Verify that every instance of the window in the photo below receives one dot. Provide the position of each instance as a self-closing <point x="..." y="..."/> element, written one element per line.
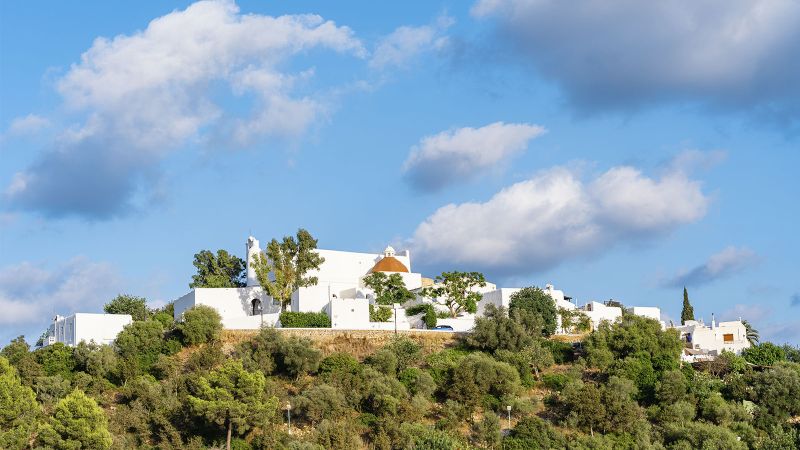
<point x="727" y="337"/>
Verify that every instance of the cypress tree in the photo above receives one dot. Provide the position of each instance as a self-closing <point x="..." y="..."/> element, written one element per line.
<point x="687" y="313"/>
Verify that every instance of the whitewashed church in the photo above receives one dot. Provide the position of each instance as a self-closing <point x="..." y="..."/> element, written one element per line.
<point x="339" y="292"/>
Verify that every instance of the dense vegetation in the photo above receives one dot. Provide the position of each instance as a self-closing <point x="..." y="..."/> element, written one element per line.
<point x="165" y="385"/>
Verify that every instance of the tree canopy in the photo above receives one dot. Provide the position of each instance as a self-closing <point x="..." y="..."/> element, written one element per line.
<point x="389" y="289"/>
<point x="456" y="291"/>
<point x="285" y="265"/>
<point x="233" y="398"/>
<point x="538" y="303"/>
<point x="128" y="304"/>
<point x="18" y="409"/>
<point x="222" y="270"/>
<point x="77" y="422"/>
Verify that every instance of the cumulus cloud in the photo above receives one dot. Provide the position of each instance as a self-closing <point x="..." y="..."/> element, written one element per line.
<point x="401" y="46"/>
<point x="149" y="93"/>
<point x="26" y="125"/>
<point x="738" y="54"/>
<point x="463" y="153"/>
<point x="725" y="263"/>
<point x="31" y="292"/>
<point x="555" y="216"/>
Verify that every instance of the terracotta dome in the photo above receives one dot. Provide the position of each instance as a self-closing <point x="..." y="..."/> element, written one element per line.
<point x="389" y="264"/>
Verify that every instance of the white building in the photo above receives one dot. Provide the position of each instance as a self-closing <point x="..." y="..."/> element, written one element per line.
<point x="598" y="313"/>
<point x="339" y="292"/>
<point x="707" y="342"/>
<point x="86" y="327"/>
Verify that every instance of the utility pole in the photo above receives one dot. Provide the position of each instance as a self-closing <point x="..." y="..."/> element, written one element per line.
<point x="394" y="306"/>
<point x="508" y="408"/>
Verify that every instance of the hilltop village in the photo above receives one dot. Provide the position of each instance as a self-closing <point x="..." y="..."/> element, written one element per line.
<point x="369" y="291"/>
<point x="304" y="348"/>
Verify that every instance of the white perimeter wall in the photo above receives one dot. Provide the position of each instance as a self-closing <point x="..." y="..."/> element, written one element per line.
<point x="234" y="305"/>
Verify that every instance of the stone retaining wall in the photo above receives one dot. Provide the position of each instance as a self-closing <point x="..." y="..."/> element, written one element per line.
<point x="358" y="343"/>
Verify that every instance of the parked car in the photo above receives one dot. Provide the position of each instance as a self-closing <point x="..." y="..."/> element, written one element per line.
<point x="443" y="328"/>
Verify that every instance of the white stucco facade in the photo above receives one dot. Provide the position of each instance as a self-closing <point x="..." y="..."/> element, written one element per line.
<point x="246" y="308"/>
<point x="598" y="313"/>
<point x="710" y="341"/>
<point x="86" y="327"/>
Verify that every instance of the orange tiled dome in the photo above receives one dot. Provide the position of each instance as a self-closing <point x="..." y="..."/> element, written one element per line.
<point x="389" y="264"/>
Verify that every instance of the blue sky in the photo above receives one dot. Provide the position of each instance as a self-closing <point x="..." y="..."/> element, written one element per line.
<point x="616" y="150"/>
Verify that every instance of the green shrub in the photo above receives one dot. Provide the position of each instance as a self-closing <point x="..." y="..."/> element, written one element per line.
<point x="200" y="324"/>
<point x="379" y="314"/>
<point x="555" y="381"/>
<point x="764" y="354"/>
<point x="562" y="351"/>
<point x="240" y="444"/>
<point x="339" y="363"/>
<point x="430" y="313"/>
<point x="291" y="319"/>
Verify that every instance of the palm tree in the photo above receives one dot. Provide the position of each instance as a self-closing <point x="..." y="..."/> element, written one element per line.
<point x="751" y="333"/>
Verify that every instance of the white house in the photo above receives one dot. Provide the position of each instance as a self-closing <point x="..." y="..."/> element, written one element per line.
<point x="707" y="342"/>
<point x="86" y="327"/>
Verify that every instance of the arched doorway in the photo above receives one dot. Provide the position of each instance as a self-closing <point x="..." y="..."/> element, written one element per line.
<point x="256" y="305"/>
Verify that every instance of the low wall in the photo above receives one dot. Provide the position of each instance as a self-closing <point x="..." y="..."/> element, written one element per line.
<point x="359" y="343"/>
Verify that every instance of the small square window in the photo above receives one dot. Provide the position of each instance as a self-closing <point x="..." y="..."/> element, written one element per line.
<point x="728" y="337"/>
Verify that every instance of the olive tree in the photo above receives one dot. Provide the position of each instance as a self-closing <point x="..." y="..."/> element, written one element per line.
<point x="456" y="290"/>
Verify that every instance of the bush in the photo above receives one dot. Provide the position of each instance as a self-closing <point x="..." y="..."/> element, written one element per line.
<point x="379" y="314"/>
<point x="384" y="361"/>
<point x="200" y="324"/>
<point x="297" y="356"/>
<point x="555" y="381"/>
<point x="320" y="402"/>
<point x="497" y="331"/>
<point x="479" y="375"/>
<point x="339" y="363"/>
<point x="291" y="319"/>
<point x="764" y="354"/>
<point x="441" y="364"/>
<point x="562" y="351"/>
<point x="429" y="317"/>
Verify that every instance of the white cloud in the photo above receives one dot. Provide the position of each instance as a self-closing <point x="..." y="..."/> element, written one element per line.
<point x="555" y="216"/>
<point x="750" y="313"/>
<point x="151" y="92"/>
<point x="692" y="159"/>
<point x="26" y="125"/>
<point x="402" y="45"/>
<point x="725" y="263"/>
<point x="31" y="292"/>
<point x="728" y="54"/>
<point x="463" y="153"/>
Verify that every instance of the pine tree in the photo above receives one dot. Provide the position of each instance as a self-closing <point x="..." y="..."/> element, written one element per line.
<point x="687" y="313"/>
